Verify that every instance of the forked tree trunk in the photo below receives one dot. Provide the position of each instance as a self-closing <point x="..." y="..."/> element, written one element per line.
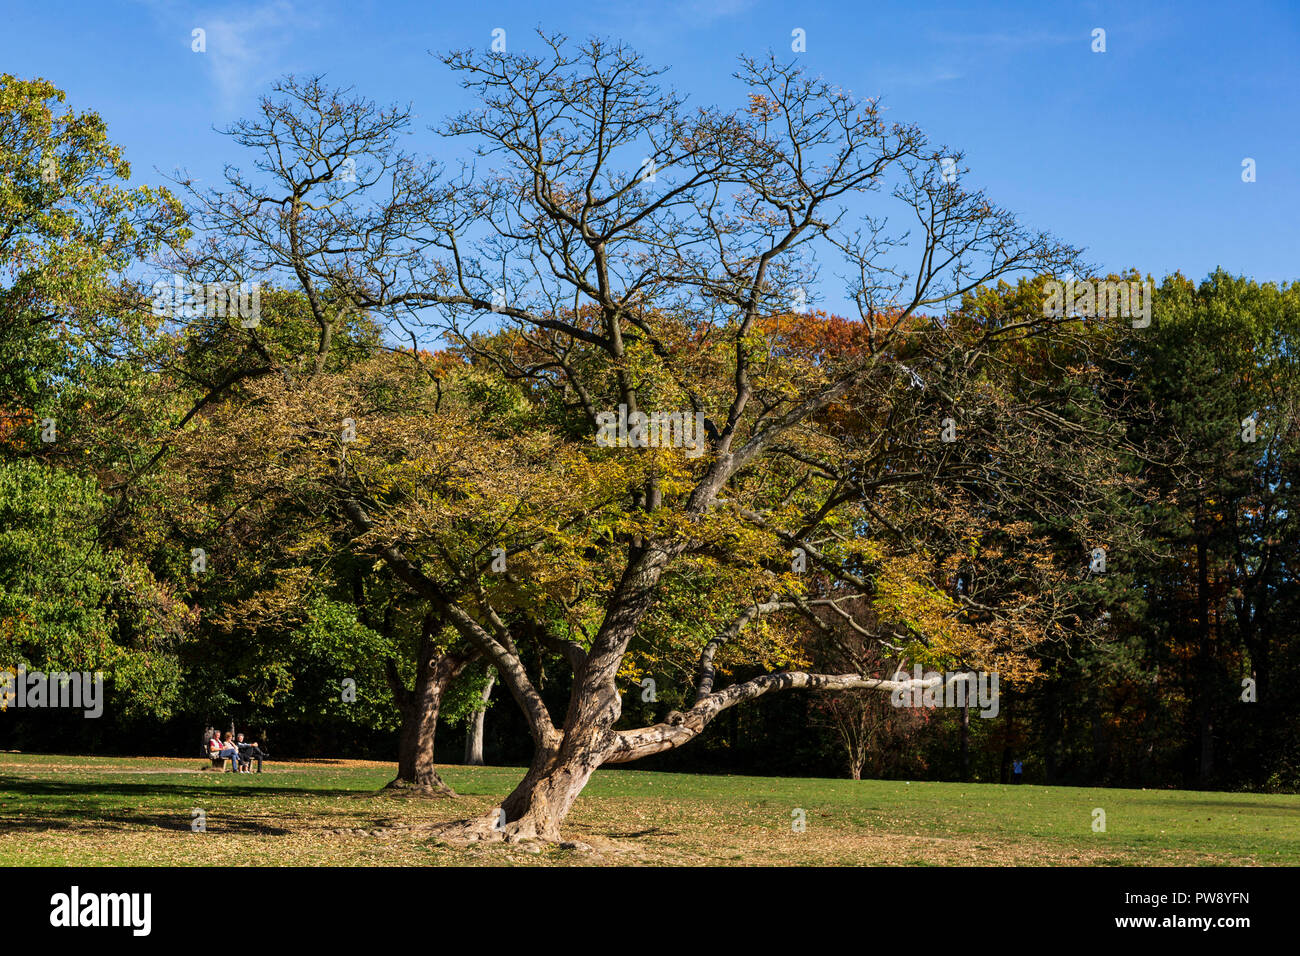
<point x="564" y="763"/>
<point x="560" y="769"/>
<point x="544" y="797"/>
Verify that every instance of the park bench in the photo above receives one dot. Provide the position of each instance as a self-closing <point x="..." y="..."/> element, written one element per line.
<point x="216" y="763"/>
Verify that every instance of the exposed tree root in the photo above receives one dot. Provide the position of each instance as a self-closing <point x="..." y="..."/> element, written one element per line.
<point x="406" y="788"/>
<point x="491" y="828"/>
<point x="485" y="831"/>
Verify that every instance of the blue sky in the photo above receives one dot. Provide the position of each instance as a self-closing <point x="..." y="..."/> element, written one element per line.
<point x="1134" y="153"/>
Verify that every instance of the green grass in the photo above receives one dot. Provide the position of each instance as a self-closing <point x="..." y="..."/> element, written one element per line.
<point x="86" y="811"/>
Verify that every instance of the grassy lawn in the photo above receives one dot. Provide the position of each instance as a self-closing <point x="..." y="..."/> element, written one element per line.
<point x="107" y="811"/>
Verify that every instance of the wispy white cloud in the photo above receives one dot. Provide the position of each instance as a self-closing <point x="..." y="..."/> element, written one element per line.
<point x="243" y="47"/>
<point x="244" y="44"/>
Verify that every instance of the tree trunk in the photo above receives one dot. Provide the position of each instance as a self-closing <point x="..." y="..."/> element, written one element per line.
<point x="561" y="766"/>
<point x="535" y="809"/>
<point x="474" y="739"/>
<point x="544" y="797"/>
<point x="415" y="767"/>
<point x="434" y="672"/>
<point x="564" y="761"/>
<point x="965" y="741"/>
<point x="1053" y="729"/>
<point x="1008" y="729"/>
<point x="1204" y="669"/>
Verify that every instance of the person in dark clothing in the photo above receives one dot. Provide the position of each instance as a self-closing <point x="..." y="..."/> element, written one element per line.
<point x="1017" y="771"/>
<point x="250" y="752"/>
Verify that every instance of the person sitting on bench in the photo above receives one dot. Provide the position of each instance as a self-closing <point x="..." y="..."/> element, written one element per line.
<point x="229" y="752"/>
<point x="249" y="752"/>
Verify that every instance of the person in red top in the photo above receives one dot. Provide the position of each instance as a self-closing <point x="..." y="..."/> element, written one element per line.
<point x="226" y="750"/>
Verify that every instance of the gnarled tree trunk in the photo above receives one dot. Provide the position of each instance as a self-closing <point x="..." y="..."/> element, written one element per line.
<point x="541" y="801"/>
<point x="562" y="763"/>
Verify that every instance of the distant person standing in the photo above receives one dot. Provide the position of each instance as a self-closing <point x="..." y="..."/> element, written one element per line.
<point x="1017" y="771"/>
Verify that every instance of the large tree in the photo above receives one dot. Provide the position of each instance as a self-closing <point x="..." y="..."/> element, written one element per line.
<point x="638" y="250"/>
<point x="329" y="221"/>
<point x="632" y="256"/>
<point x="70" y="228"/>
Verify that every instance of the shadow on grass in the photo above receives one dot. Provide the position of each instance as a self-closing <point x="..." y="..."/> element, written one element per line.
<point x="203" y="786"/>
<point x="1235" y="805"/>
<point x="73" y="819"/>
<point x="66" y="805"/>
